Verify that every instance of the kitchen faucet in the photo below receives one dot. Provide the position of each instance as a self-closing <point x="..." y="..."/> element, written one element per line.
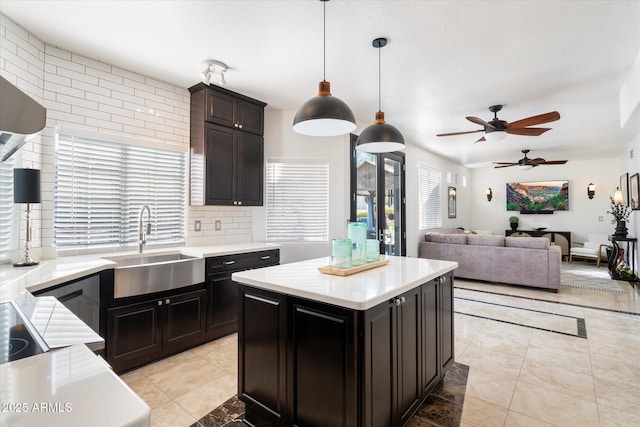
<point x="142" y="234"/>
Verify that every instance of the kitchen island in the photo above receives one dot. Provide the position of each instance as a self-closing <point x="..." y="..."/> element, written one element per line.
<point x="361" y="350"/>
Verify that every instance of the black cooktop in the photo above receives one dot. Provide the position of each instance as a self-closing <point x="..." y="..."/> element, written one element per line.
<point x="16" y="341"/>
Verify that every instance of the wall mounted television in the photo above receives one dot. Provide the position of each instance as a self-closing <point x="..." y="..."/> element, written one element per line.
<point x="542" y="197"/>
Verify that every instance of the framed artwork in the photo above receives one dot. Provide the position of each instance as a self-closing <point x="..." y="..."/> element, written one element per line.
<point x="624" y="187"/>
<point x="452" y="202"/>
<point x="634" y="184"/>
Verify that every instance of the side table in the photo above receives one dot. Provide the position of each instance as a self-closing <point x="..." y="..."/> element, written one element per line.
<point x="619" y="257"/>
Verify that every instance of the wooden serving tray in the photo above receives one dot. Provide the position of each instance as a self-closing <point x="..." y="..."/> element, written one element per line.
<point x="353" y="270"/>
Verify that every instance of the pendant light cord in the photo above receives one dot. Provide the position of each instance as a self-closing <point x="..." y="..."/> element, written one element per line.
<point x="379" y="79"/>
<point x="324" y="40"/>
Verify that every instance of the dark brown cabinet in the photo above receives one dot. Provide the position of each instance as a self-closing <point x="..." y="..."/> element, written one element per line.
<point x="233" y="167"/>
<point x="228" y="109"/>
<point x="262" y="352"/>
<point x="222" y="292"/>
<point x="392" y="336"/>
<point x="142" y="332"/>
<point x="227" y="148"/>
<point x="342" y="367"/>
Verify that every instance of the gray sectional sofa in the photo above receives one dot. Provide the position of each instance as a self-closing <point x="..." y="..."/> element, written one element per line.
<point x="527" y="261"/>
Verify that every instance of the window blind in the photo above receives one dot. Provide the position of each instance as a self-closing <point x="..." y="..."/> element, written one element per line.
<point x="100" y="187"/>
<point x="297" y="201"/>
<point x="429" y="184"/>
<point x="9" y="212"/>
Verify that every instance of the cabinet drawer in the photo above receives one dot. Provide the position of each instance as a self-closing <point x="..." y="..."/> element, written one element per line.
<point x="242" y="261"/>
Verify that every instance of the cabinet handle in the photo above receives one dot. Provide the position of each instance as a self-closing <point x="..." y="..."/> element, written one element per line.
<point x="402" y="300"/>
<point x="228" y="262"/>
<point x="235" y="125"/>
<point x="235" y="202"/>
<point x="240" y="126"/>
<point x="167" y="301"/>
<point x="159" y="302"/>
<point x="266" y="257"/>
<point x="240" y="202"/>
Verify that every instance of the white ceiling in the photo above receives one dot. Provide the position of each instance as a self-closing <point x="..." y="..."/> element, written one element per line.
<point x="445" y="60"/>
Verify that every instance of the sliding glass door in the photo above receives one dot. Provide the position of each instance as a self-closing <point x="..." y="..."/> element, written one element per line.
<point x="377" y="197"/>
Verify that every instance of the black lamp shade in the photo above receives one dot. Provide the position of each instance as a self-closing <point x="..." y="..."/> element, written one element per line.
<point x="324" y="115"/>
<point x="26" y="185"/>
<point x="380" y="137"/>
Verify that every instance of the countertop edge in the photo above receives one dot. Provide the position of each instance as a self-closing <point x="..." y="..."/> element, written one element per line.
<point x="351" y="304"/>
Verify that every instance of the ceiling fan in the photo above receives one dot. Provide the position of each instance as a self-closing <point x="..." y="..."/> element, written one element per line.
<point x="526" y="163"/>
<point x="497" y="129"/>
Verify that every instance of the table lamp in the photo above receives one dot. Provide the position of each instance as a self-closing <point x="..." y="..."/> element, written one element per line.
<point x="26" y="189"/>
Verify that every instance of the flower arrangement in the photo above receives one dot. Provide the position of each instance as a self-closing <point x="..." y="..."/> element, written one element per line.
<point x="619" y="211"/>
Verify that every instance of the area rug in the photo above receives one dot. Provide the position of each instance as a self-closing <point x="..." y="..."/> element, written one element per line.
<point x="584" y="280"/>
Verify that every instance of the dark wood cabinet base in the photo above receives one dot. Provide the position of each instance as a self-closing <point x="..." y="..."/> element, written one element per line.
<point x="307" y="363"/>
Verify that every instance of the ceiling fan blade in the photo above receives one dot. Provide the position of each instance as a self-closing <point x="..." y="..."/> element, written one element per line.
<point x="553" y="162"/>
<point x="536" y="120"/>
<point x="480" y="140"/>
<point x="460" y="133"/>
<point x="505" y="163"/>
<point x="479" y="121"/>
<point x="506" y="166"/>
<point x="527" y="131"/>
<point x="537" y="160"/>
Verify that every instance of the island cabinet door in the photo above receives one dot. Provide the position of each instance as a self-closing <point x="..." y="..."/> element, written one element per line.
<point x="392" y="360"/>
<point x="446" y="322"/>
<point x="322" y="369"/>
<point x="430" y="335"/>
<point x="262" y="330"/>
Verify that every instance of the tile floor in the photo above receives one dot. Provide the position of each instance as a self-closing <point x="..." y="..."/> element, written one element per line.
<point x="535" y="359"/>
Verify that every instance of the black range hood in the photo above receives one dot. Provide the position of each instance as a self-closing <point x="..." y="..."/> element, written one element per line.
<point x="20" y="117"/>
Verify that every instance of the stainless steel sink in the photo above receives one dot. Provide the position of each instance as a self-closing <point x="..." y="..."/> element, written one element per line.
<point x="142" y="274"/>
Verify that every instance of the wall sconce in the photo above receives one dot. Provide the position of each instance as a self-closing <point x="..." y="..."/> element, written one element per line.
<point x="617" y="197"/>
<point x="452" y="191"/>
<point x="591" y="190"/>
<point x="489" y="194"/>
<point x="26" y="189"/>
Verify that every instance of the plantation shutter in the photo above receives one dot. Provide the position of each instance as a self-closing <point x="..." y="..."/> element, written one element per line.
<point x="429" y="184"/>
<point x="100" y="187"/>
<point x="297" y="201"/>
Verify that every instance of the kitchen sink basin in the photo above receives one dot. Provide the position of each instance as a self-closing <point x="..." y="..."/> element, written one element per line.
<point x="142" y="274"/>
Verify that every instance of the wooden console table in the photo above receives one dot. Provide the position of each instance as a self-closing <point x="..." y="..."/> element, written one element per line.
<point x="559" y="238"/>
<point x="618" y="257"/>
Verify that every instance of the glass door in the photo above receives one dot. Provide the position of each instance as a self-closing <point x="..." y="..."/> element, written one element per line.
<point x="377" y="197"/>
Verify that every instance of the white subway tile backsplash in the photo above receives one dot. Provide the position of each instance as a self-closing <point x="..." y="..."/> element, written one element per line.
<point x="104" y="100"/>
<point x="86" y="94"/>
<point x="90" y="88"/>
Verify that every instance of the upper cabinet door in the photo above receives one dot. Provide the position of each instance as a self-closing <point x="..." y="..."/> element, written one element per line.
<point x="250" y="117"/>
<point x="220" y="183"/>
<point x="220" y="108"/>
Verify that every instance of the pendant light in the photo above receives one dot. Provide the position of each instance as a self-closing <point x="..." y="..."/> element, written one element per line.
<point x="324" y="115"/>
<point x="380" y="137"/>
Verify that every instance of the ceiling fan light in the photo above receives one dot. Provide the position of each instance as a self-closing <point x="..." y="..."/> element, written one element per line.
<point x="525" y="167"/>
<point x="380" y="137"/>
<point x="496" y="135"/>
<point x="324" y="115"/>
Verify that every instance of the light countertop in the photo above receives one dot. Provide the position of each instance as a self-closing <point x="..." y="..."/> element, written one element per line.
<point x="68" y="387"/>
<point x="359" y="291"/>
<point x="19" y="282"/>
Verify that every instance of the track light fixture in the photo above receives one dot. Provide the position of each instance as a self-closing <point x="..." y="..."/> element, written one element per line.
<point x="213" y="67"/>
<point x="324" y="114"/>
<point x="380" y="137"/>
<point x="591" y="190"/>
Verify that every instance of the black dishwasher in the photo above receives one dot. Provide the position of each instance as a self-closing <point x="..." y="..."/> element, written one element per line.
<point x="223" y="293"/>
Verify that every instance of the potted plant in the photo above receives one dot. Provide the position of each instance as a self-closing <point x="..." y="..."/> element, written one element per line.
<point x="514" y="222"/>
<point x="620" y="214"/>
